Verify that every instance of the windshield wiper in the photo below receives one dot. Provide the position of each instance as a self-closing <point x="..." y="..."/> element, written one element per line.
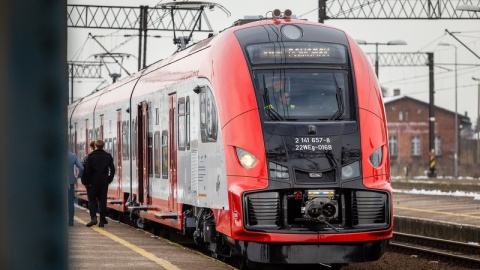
<point x="269" y="109"/>
<point x="339" y="96"/>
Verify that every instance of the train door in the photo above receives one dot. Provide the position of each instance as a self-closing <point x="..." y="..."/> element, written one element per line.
<point x="142" y="164"/>
<point x="172" y="194"/>
<point x="119" y="153"/>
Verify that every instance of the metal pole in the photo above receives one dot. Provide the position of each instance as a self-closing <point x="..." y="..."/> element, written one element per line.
<point x="322" y="11"/>
<point x="144" y="22"/>
<point x="71" y="84"/>
<point x="140" y="31"/>
<point x="456" y="118"/>
<point x="478" y="120"/>
<point x="431" y="120"/>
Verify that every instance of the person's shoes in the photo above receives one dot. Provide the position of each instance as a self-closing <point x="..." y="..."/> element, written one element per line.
<point x="70" y="223"/>
<point x="91" y="223"/>
<point x="104" y="221"/>
<point x="101" y="224"/>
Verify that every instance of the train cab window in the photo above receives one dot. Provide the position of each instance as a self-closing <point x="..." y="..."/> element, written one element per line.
<point x="164" y="154"/>
<point x="296" y="94"/>
<point x="156" y="153"/>
<point x="181" y="124"/>
<point x="208" y="115"/>
<point x="187" y="115"/>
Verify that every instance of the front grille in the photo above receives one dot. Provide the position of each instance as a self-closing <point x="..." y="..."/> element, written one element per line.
<point x="304" y="177"/>
<point x="368" y="208"/>
<point x="263" y="210"/>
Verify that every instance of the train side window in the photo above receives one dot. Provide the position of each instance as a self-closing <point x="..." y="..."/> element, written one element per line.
<point x="156" y="153"/>
<point x="124" y="140"/>
<point x="165" y="154"/>
<point x="134" y="140"/>
<point x="187" y="115"/>
<point x="157" y="116"/>
<point x="181" y="124"/>
<point x="208" y="116"/>
<point x="150" y="154"/>
<point x="114" y="152"/>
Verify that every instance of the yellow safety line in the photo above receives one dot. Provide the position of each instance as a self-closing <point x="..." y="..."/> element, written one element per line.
<point x="435" y="212"/>
<point x="165" y="264"/>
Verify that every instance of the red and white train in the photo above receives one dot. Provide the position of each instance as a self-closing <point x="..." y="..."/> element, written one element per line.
<point x="266" y="142"/>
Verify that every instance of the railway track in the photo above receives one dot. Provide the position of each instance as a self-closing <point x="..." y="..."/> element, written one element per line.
<point x="461" y="253"/>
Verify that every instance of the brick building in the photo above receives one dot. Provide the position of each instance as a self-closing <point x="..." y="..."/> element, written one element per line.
<point x="407" y="123"/>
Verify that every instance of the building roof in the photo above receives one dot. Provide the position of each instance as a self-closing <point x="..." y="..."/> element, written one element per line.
<point x="390" y="100"/>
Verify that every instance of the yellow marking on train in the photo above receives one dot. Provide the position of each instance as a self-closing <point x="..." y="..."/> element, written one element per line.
<point x="163" y="263"/>
<point x="436" y="212"/>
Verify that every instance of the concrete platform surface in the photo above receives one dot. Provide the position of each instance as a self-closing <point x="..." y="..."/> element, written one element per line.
<point x="119" y="246"/>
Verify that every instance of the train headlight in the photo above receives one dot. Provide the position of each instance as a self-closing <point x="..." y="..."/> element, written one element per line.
<point x="376" y="157"/>
<point x="351" y="170"/>
<point x="247" y="160"/>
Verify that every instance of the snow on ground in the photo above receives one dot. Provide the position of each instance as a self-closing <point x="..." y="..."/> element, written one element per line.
<point x="457" y="193"/>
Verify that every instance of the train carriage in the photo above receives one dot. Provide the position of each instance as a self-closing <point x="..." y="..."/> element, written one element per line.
<point x="266" y="142"/>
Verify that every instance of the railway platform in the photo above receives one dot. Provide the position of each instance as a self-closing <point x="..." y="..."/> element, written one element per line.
<point x="449" y="216"/>
<point x="120" y="246"/>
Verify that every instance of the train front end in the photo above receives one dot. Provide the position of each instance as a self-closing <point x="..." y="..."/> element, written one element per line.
<point x="312" y="185"/>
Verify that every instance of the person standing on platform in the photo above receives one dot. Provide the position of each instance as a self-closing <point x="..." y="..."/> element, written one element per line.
<point x="99" y="172"/>
<point x="72" y="162"/>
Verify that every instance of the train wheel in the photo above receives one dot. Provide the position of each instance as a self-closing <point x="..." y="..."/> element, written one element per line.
<point x="243" y="264"/>
<point x="141" y="223"/>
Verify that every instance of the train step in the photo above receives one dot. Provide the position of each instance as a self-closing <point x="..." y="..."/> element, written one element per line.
<point x="115" y="202"/>
<point x="141" y="207"/>
<point x="166" y="216"/>
<point x="82" y="193"/>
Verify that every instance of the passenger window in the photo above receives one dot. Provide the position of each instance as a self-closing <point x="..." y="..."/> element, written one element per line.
<point x="181" y="124"/>
<point x="208" y="116"/>
<point x="187" y="132"/>
<point x="165" y="154"/>
<point x="156" y="145"/>
<point x="150" y="154"/>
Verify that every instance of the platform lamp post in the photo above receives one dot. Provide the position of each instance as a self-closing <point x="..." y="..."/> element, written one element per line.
<point x="392" y="42"/>
<point x="455" y="164"/>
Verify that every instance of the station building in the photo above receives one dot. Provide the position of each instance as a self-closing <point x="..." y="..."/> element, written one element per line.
<point x="408" y="132"/>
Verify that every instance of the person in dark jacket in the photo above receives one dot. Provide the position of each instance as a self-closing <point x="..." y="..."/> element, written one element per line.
<point x="99" y="172"/>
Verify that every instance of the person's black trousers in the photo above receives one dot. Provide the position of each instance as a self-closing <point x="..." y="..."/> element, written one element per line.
<point x="97" y="198"/>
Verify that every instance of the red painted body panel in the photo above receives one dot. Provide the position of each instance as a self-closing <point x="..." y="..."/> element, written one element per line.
<point x="371" y="114"/>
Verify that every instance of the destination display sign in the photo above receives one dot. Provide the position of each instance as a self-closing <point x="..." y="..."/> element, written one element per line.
<point x="296" y="52"/>
<point x="312" y="143"/>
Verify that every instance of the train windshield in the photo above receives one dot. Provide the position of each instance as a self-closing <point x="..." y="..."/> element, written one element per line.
<point x="295" y="94"/>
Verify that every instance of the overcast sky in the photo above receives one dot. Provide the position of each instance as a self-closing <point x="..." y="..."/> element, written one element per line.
<point x="421" y="35"/>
